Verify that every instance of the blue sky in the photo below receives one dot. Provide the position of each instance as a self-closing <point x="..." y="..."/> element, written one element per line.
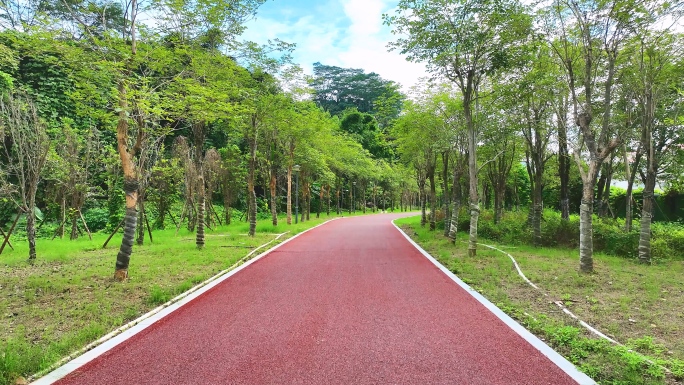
<point x="344" y="33"/>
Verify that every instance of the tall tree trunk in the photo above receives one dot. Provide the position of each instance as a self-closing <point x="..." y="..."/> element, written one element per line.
<point x="498" y="203"/>
<point x="456" y="202"/>
<point x="308" y="203"/>
<point x="598" y="152"/>
<point x="327" y="207"/>
<point x="64" y="217"/>
<point x="31" y="234"/>
<point x="251" y="193"/>
<point x="199" y="237"/>
<point x="161" y="217"/>
<point x="31" y="213"/>
<point x="586" y="226"/>
<point x="307" y="200"/>
<point x="433" y="197"/>
<point x="563" y="160"/>
<point x="274" y="209"/>
<point x="600" y="189"/>
<point x="319" y="207"/>
<point x="74" y="224"/>
<point x="629" y="196"/>
<point x="131" y="185"/>
<point x="251" y="209"/>
<point x="131" y="182"/>
<point x="384" y="207"/>
<point x="130" y="221"/>
<point x="227" y="201"/>
<point x="199" y="133"/>
<point x="472" y="174"/>
<point x="423" y="202"/>
<point x="529" y="166"/>
<point x="605" y="206"/>
<point x="649" y="182"/>
<point x="363" y="196"/>
<point x="445" y="179"/>
<point x="289" y="193"/>
<point x="646" y="218"/>
<point x="537" y="207"/>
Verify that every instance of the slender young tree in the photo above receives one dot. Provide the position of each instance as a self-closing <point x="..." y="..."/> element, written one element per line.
<point x="127" y="154"/>
<point x="588" y="39"/>
<point x="464" y="41"/>
<point x="26" y="144"/>
<point x="657" y="62"/>
<point x="199" y="133"/>
<point x="561" y="117"/>
<point x="533" y="90"/>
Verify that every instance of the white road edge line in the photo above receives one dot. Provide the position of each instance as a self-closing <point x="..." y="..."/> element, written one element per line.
<point x="533" y="340"/>
<point x="134" y="327"/>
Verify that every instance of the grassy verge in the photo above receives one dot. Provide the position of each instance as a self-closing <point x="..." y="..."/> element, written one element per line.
<point x="68" y="299"/>
<point x="639" y="306"/>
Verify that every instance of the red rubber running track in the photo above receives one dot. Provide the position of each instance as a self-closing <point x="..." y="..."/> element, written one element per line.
<point x="350" y="302"/>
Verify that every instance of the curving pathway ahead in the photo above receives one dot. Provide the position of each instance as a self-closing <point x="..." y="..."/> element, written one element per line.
<point x="350" y="302"/>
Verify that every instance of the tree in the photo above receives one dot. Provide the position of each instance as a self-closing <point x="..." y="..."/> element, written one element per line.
<point x="232" y="177"/>
<point x="264" y="89"/>
<point x="208" y="24"/>
<point x="653" y="68"/>
<point x="419" y="141"/>
<point x="338" y="89"/>
<point x="588" y="38"/>
<point x="96" y="17"/>
<point x="464" y="41"/>
<point x="364" y="129"/>
<point x="26" y="145"/>
<point x="533" y="96"/>
<point x="69" y="170"/>
<point x="500" y="148"/>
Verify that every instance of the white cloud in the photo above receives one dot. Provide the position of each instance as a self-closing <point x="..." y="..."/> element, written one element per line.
<point x="365" y="16"/>
<point x="366" y="44"/>
<point x="345" y="33"/>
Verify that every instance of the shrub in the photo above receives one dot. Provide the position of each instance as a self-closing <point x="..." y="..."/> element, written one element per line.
<point x="96" y="218"/>
<point x="557" y="232"/>
<point x="671" y="233"/>
<point x="609" y="236"/>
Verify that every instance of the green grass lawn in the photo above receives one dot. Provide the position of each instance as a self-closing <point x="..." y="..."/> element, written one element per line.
<point x="639" y="306"/>
<point x="68" y="298"/>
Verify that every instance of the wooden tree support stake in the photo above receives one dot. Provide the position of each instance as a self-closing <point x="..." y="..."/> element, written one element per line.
<point x="114" y="232"/>
<point x="180" y="221"/>
<point x="2" y="232"/>
<point x="59" y="229"/>
<point x="149" y="230"/>
<point x="85" y="225"/>
<point x="42" y="222"/>
<point x="211" y="207"/>
<point x="9" y="232"/>
<point x="172" y="217"/>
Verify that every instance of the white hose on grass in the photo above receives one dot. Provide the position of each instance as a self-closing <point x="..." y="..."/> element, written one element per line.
<point x="568" y="312"/>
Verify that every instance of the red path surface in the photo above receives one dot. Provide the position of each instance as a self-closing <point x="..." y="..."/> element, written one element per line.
<point x="351" y="302"/>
